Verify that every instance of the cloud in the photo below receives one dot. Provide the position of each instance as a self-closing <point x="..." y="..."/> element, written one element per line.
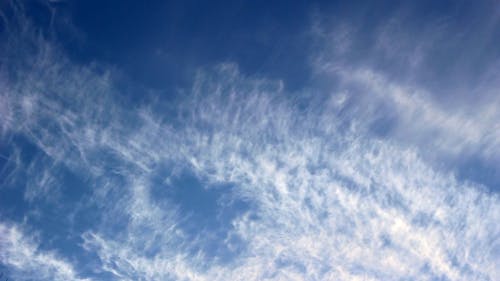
<point x="25" y="260"/>
<point x="328" y="203"/>
<point x="402" y="83"/>
<point x="330" y="195"/>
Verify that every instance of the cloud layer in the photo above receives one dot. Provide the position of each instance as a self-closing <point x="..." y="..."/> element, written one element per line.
<point x="332" y="182"/>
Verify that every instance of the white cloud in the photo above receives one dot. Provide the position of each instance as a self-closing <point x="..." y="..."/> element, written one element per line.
<point x="329" y="200"/>
<point x="451" y="118"/>
<point x="328" y="204"/>
<point x="21" y="254"/>
<point x="426" y="123"/>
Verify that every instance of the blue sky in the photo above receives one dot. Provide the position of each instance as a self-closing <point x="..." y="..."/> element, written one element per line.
<point x="249" y="140"/>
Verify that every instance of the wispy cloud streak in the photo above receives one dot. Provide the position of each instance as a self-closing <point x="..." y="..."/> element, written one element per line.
<point x="26" y="261"/>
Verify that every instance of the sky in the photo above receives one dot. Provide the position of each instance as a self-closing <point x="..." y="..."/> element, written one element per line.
<point x="249" y="140"/>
